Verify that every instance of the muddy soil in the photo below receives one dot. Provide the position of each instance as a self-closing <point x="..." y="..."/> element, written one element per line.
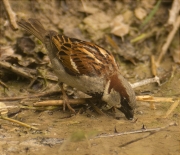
<point x="60" y="132"/>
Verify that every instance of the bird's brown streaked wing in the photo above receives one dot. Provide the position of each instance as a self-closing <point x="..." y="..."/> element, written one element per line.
<point x="82" y="58"/>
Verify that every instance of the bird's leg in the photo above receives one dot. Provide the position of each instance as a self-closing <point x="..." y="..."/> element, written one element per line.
<point x="96" y="108"/>
<point x="65" y="99"/>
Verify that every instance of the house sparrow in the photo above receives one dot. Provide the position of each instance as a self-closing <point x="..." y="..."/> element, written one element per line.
<point x="86" y="67"/>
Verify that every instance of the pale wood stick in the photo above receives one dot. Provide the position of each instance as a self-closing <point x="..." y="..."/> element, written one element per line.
<point x="145" y="82"/>
<point x="16" y="70"/>
<point x="173" y="13"/>
<point x="149" y="98"/>
<point x="59" y="102"/>
<point x="11" y="14"/>
<point x="171" y="109"/>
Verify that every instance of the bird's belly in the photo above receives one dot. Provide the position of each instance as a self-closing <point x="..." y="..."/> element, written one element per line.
<point x="86" y="84"/>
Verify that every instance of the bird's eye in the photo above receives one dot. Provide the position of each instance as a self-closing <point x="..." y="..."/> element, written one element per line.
<point x="47" y="37"/>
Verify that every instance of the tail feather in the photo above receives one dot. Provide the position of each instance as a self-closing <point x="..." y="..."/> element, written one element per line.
<point x="34" y="27"/>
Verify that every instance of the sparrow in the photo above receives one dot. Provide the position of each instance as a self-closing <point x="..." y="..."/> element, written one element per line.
<point x="85" y="66"/>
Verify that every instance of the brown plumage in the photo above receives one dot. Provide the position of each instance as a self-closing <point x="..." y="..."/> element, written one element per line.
<point x="74" y="53"/>
<point x="85" y="66"/>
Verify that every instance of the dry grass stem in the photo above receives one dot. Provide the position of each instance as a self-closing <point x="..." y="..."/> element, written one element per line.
<point x="173" y="13"/>
<point x="168" y="41"/>
<point x="4" y="85"/>
<point x="59" y="102"/>
<point x="145" y="82"/>
<point x="16" y="70"/>
<point x="18" y="122"/>
<point x="148" y="98"/>
<point x="137" y="131"/>
<point x="172" y="108"/>
<point x="11" y="15"/>
<point x="47" y="93"/>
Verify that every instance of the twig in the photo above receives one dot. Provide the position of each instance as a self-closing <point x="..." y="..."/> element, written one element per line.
<point x="4" y="85"/>
<point x="39" y="108"/>
<point x="30" y="96"/>
<point x="151" y="133"/>
<point x="18" y="71"/>
<point x="14" y="98"/>
<point x="168" y="41"/>
<point x="11" y="14"/>
<point x="148" y="98"/>
<point x="59" y="102"/>
<point x="171" y="109"/>
<point x="28" y="107"/>
<point x="6" y="107"/>
<point x="137" y="131"/>
<point x="18" y="122"/>
<point x="145" y="82"/>
<point x="173" y="13"/>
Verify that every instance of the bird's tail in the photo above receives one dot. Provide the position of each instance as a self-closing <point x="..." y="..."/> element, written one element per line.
<point x="34" y="27"/>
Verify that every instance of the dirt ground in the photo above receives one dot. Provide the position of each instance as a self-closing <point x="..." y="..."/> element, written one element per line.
<point x="61" y="132"/>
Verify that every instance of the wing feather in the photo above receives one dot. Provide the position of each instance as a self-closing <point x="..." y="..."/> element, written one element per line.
<point x="83" y="58"/>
